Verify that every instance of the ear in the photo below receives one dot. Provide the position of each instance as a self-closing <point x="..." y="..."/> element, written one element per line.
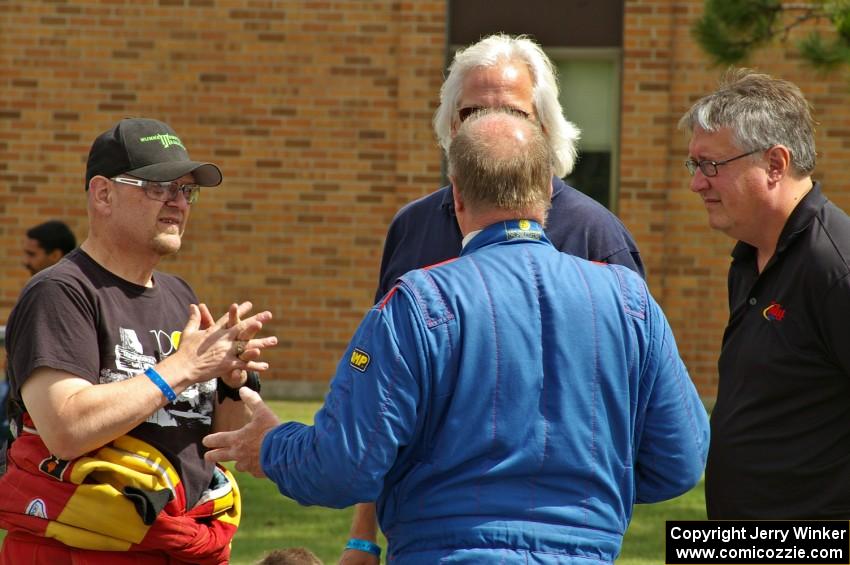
<point x="461" y="210"/>
<point x="101" y="194"/>
<point x="455" y="127"/>
<point x="778" y="162"/>
<point x="460" y="206"/>
<point x="55" y="255"/>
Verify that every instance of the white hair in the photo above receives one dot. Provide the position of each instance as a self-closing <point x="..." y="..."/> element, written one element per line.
<point x="492" y="51"/>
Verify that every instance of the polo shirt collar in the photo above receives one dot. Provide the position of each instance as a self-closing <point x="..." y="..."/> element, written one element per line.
<point x="800" y="219"/>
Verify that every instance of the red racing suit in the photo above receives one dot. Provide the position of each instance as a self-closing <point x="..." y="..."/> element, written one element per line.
<point x="125" y="496"/>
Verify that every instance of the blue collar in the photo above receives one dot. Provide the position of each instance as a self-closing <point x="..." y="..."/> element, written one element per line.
<point x="511" y="230"/>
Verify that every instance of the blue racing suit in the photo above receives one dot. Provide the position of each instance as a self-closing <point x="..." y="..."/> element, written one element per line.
<point x="510" y="405"/>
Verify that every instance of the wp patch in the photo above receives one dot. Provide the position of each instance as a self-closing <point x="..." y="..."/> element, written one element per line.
<point x="359" y="360"/>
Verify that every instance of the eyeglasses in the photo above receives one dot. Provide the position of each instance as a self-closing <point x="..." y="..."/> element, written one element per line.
<point x="163" y="191"/>
<point x="464" y="113"/>
<point x="709" y="168"/>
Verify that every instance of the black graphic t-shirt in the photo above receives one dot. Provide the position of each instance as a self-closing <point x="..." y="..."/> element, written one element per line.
<point x="78" y="317"/>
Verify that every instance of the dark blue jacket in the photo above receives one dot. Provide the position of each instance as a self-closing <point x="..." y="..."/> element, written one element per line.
<point x="425" y="232"/>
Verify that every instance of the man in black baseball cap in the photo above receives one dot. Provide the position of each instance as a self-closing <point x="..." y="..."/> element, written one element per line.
<point x="114" y="364"/>
<point x="146" y="149"/>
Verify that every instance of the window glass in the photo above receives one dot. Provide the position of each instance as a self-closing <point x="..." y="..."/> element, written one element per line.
<point x="590" y="96"/>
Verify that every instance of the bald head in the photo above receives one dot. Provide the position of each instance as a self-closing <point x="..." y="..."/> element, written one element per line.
<point x="502" y="162"/>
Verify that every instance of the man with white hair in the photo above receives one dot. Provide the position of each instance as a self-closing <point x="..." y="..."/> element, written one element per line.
<point x="509" y="406"/>
<point x="514" y="75"/>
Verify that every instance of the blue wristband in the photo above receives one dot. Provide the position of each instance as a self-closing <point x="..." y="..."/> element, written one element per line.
<point x="363" y="545"/>
<point x="157" y="379"/>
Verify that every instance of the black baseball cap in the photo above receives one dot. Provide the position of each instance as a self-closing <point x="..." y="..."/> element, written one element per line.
<point x="146" y="149"/>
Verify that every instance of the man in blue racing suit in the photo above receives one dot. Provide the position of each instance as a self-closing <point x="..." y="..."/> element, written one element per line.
<point x="510" y="405"/>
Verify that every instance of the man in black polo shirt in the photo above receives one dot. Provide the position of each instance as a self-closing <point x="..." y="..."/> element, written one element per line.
<point x="780" y="431"/>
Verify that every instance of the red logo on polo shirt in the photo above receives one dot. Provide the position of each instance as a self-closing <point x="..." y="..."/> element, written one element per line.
<point x="774" y="312"/>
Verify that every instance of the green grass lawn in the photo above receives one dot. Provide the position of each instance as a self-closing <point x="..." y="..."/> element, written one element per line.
<point x="270" y="521"/>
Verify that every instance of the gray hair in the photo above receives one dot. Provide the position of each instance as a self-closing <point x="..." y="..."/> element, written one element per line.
<point x="761" y="111"/>
<point x="502" y="161"/>
<point x="490" y="52"/>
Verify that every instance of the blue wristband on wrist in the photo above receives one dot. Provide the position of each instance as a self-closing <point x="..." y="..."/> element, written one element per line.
<point x="157" y="379"/>
<point x="363" y="545"/>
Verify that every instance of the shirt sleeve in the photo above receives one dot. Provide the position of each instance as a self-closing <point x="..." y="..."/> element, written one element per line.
<point x="581" y="226"/>
<point x="673" y="435"/>
<point x="612" y="243"/>
<point x="422" y="233"/>
<point x="369" y="414"/>
<point x="388" y="274"/>
<point x="52" y="325"/>
<point x="834" y="310"/>
<point x="628" y="257"/>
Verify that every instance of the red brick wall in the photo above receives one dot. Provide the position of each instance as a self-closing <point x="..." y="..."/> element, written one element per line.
<point x="664" y="72"/>
<point x="318" y="113"/>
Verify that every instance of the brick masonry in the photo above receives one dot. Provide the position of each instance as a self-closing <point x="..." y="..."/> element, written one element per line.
<point x="318" y="112"/>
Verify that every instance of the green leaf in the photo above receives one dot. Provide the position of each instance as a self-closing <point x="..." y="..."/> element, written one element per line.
<point x="730" y="29"/>
<point x="824" y="55"/>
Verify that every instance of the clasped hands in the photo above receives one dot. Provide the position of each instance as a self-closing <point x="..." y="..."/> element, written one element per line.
<point x="226" y="347"/>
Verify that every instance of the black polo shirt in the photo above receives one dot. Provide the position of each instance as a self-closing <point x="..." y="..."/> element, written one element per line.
<point x="780" y="431"/>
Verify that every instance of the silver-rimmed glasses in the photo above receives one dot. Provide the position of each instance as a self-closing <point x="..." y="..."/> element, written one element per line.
<point x="163" y="191"/>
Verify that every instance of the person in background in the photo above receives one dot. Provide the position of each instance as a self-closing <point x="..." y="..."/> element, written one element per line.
<point x="45" y="244"/>
<point x="780" y="430"/>
<point x="113" y="368"/>
<point x="515" y="75"/>
<point x="510" y="405"/>
<point x="291" y="556"/>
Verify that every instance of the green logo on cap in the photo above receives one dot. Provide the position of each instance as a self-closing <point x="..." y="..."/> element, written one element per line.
<point x="165" y="138"/>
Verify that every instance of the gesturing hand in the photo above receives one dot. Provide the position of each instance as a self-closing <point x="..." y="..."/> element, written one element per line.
<point x="209" y="348"/>
<point x="236" y="377"/>
<point x="243" y="445"/>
